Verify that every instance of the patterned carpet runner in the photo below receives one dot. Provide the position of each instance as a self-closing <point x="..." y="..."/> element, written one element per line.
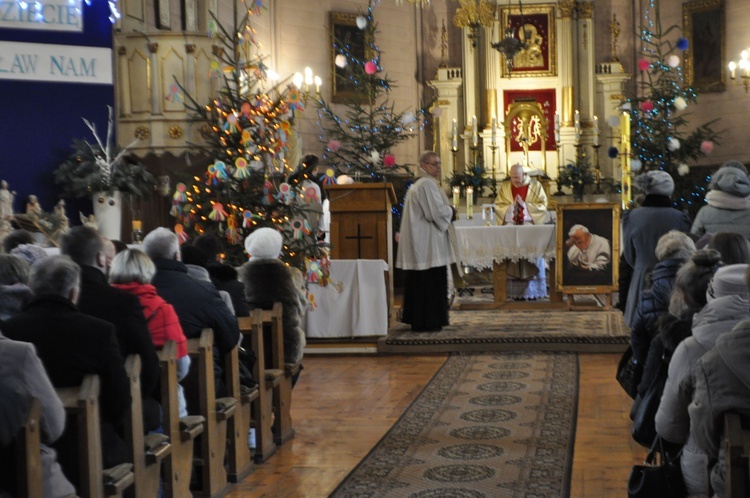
<point x="487" y="425"/>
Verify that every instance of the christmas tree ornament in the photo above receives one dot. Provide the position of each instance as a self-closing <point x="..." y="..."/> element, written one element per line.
<point x="680" y="103"/>
<point x="361" y="22"/>
<point x="180" y="232"/>
<point x="340" y="61"/>
<point x="217" y="212"/>
<point x="241" y="170"/>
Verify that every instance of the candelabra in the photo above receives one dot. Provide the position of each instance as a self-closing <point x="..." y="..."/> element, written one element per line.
<point x="559" y="164"/>
<point x="493" y="181"/>
<point x="454" y="150"/>
<point x="597" y="170"/>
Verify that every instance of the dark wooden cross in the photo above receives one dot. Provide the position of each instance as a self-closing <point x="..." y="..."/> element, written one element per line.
<point x="359" y="238"/>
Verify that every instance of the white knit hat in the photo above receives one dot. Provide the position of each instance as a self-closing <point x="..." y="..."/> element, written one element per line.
<point x="728" y="280"/>
<point x="264" y="243"/>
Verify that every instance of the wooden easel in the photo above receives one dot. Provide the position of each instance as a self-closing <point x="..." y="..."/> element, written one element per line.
<point x="603" y="302"/>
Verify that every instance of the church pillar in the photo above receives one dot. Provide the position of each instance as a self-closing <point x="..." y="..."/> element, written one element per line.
<point x="123" y="79"/>
<point x="610" y="85"/>
<point x="567" y="68"/>
<point x="586" y="69"/>
<point x="448" y="86"/>
<point x="155" y="82"/>
<point x="472" y="100"/>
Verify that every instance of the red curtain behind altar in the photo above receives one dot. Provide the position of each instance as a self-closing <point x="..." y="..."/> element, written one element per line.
<point x="547" y="98"/>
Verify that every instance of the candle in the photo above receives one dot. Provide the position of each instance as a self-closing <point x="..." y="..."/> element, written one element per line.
<point x="454" y="135"/>
<point x="557" y="127"/>
<point x="456" y="192"/>
<point x="469" y="202"/>
<point x="733" y="70"/>
<point x="494" y="131"/>
<point x="578" y="125"/>
<point x="474" y="131"/>
<point x="596" y="130"/>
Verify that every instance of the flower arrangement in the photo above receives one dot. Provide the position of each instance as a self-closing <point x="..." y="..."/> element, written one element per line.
<point x="101" y="167"/>
<point x="576" y="176"/>
<point x="473" y="176"/>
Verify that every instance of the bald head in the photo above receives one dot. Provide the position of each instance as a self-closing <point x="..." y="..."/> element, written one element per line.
<point x="517" y="175"/>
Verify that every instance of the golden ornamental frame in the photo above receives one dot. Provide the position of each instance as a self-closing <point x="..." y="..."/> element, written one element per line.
<point x="704" y="26"/>
<point x="601" y="219"/>
<point x="546" y="10"/>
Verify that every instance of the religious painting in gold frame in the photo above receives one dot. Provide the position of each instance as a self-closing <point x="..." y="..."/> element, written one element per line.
<point x="533" y="26"/>
<point x="344" y="32"/>
<point x="704" y="26"/>
<point x="579" y="272"/>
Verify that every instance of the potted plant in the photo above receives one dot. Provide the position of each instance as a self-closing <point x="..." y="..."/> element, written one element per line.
<point x="103" y="172"/>
<point x="576" y="176"/>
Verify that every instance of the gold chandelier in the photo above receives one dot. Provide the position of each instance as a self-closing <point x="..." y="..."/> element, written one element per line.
<point x="472" y="14"/>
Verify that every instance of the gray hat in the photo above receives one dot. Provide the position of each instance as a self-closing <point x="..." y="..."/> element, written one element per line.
<point x="733" y="163"/>
<point x="731" y="180"/>
<point x="656" y="182"/>
<point x="727" y="281"/>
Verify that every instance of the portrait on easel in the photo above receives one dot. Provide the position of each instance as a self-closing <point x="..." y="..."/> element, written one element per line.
<point x="588" y="247"/>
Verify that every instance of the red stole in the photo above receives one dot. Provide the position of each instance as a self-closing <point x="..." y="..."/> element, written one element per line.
<point x="518" y="213"/>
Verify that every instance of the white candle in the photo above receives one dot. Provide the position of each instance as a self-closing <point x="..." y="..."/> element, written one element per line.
<point x="578" y="125"/>
<point x="456" y="192"/>
<point x="469" y="202"/>
<point x="494" y="131"/>
<point x="733" y="70"/>
<point x="557" y="127"/>
<point x="596" y="130"/>
<point x="474" y="131"/>
<point x="454" y="135"/>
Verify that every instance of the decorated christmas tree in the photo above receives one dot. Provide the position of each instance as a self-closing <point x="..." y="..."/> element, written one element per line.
<point x="659" y="113"/>
<point x="251" y="140"/>
<point x="360" y="143"/>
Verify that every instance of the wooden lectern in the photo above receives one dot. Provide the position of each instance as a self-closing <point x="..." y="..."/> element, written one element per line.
<point x="361" y="224"/>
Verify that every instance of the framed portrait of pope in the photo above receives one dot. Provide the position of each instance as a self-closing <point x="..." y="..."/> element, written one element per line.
<point x="588" y="247"/>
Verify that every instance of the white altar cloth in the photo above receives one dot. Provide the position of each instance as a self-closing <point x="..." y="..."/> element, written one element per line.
<point x="480" y="246"/>
<point x="354" y="304"/>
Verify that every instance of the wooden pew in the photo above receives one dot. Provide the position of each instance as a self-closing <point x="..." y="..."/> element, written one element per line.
<point x="181" y="431"/>
<point x="28" y="454"/>
<point x="262" y="407"/>
<point x="283" y="429"/>
<point x="213" y="441"/>
<point x="146" y="452"/>
<point x="239" y="463"/>
<point x="737" y="444"/>
<point x="83" y="403"/>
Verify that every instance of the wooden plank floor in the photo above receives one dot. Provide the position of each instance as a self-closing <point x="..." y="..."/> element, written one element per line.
<point x="343" y="405"/>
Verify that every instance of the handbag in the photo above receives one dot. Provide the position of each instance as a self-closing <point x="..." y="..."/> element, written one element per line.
<point x="629" y="373"/>
<point x="644" y="423"/>
<point x="657" y="480"/>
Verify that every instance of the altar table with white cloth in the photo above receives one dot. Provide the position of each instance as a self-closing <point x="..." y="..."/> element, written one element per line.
<point x="353" y="304"/>
<point x="486" y="247"/>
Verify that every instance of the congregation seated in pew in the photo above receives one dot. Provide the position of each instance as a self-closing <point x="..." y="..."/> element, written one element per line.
<point x="198" y="304"/>
<point x="22" y="377"/>
<point x="72" y="344"/>
<point x="94" y="254"/>
<point x="132" y="271"/>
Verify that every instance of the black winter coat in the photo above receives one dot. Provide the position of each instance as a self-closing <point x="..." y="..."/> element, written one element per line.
<point x="72" y="344"/>
<point x="224" y="277"/>
<point x="198" y="304"/>
<point x="654" y="302"/>
<point x="268" y="281"/>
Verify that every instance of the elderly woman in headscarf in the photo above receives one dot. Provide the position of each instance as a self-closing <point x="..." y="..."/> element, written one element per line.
<point x="642" y="228"/>
<point x="727" y="202"/>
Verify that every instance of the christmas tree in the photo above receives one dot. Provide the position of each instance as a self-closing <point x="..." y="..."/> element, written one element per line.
<point x="360" y="144"/>
<point x="660" y="139"/>
<point x="250" y="139"/>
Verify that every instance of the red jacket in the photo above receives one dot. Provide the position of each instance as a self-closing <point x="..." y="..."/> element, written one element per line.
<point x="163" y="323"/>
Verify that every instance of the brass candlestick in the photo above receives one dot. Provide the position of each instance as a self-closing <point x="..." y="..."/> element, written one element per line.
<point x="493" y="181"/>
<point x="597" y="170"/>
<point x="454" y="150"/>
<point x="559" y="168"/>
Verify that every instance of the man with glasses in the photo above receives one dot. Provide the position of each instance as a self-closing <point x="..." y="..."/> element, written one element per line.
<point x="425" y="250"/>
